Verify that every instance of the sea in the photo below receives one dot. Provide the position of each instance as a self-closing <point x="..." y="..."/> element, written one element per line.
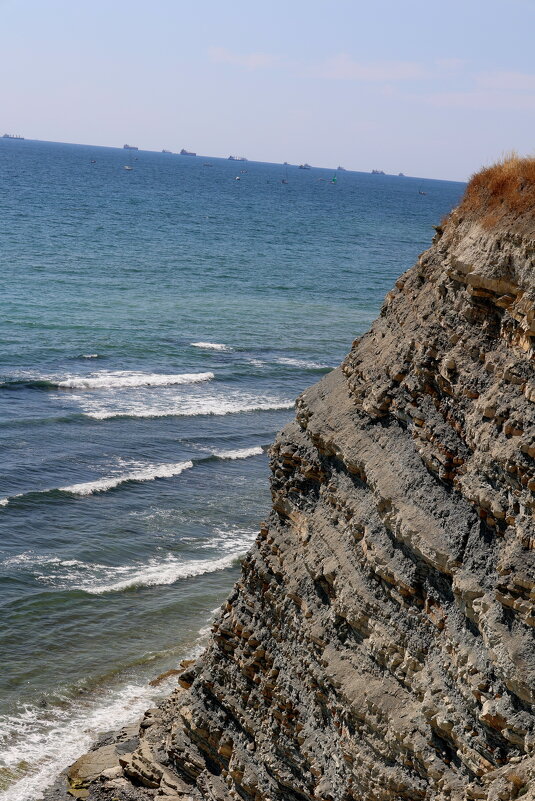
<point x="157" y="324"/>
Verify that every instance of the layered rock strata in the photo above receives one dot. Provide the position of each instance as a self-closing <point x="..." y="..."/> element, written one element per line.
<point x="380" y="644"/>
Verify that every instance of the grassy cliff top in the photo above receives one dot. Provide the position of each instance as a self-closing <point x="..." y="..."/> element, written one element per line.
<point x="503" y="194"/>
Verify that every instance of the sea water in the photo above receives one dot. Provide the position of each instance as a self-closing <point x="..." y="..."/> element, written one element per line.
<point x="156" y="327"/>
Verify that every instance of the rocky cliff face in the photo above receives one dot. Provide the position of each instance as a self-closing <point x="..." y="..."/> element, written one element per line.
<point x="380" y="644"/>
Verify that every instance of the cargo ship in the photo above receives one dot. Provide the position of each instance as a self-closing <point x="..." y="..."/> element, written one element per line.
<point x="130" y="147"/>
<point x="12" y="136"/>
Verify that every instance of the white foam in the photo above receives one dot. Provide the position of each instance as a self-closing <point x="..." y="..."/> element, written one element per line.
<point x="211" y="346"/>
<point x="30" y="558"/>
<point x="5" y="501"/>
<point x="51" y="740"/>
<point x="74" y="574"/>
<point x="235" y="539"/>
<point x="157" y="572"/>
<point x="41" y="743"/>
<point x="148" y="473"/>
<point x="304" y="364"/>
<point x="89" y="356"/>
<point x="193" y="407"/>
<point x="242" y="453"/>
<point x="123" y="378"/>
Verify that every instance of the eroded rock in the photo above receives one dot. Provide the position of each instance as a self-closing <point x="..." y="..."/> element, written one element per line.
<point x="380" y="643"/>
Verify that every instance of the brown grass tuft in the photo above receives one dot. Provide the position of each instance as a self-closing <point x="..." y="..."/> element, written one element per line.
<point x="504" y="190"/>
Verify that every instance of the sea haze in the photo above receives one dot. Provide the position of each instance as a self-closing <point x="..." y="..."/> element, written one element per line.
<point x="157" y="324"/>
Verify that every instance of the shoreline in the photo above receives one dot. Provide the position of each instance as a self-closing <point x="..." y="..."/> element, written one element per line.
<point x="162" y="686"/>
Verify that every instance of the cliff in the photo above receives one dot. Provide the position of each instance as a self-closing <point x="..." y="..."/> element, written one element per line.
<point x="380" y="643"/>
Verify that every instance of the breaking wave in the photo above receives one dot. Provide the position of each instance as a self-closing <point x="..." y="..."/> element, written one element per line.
<point x="241" y="453"/>
<point x="154" y="573"/>
<point x="124" y="378"/>
<point x="141" y="473"/>
<point x="193" y="407"/>
<point x="212" y="346"/>
<point x="303" y="364"/>
<point x="107" y="380"/>
<point x="145" y="474"/>
<point x="229" y="544"/>
<point x="37" y="741"/>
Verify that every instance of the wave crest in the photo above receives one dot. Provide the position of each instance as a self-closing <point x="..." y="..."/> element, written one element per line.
<point x="212" y="346"/>
<point x="210" y="406"/>
<point x="125" y="378"/>
<point x="145" y="474"/>
<point x="157" y="573"/>
<point x="241" y="453"/>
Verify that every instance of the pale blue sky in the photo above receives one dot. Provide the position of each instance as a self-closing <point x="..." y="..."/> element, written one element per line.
<point x="433" y="89"/>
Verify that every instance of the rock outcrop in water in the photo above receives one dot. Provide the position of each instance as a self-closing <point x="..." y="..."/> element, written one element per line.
<point x="380" y="644"/>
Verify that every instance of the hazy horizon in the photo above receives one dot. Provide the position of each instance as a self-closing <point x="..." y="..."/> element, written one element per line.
<point x="213" y="156"/>
<point x="413" y="88"/>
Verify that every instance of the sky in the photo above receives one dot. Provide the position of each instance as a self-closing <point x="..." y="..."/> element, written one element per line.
<point x="432" y="89"/>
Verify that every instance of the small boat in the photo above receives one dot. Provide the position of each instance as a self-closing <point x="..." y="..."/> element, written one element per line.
<point x="93" y="161"/>
<point x="237" y="178"/>
<point x="128" y="167"/>
<point x="333" y="179"/>
<point x="421" y="193"/>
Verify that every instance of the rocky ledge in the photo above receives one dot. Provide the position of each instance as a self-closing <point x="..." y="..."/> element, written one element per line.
<point x="380" y="644"/>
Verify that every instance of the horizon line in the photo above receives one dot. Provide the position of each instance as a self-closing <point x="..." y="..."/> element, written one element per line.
<point x="18" y="138"/>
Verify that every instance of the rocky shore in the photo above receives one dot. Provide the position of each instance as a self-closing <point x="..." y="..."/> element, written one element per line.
<point x="380" y="644"/>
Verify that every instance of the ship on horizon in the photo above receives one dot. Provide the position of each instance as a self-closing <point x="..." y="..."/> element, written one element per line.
<point x="12" y="136"/>
<point x="185" y="152"/>
<point x="130" y="147"/>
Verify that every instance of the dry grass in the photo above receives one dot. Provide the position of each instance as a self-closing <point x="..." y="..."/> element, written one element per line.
<point x="504" y="190"/>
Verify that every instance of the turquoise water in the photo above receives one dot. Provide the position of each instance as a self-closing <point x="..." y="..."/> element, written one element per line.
<point x="157" y="324"/>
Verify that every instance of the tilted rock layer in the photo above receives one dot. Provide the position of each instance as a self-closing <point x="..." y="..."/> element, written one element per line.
<point x="380" y="644"/>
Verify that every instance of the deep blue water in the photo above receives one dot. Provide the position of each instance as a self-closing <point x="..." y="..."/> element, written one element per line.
<point x="157" y="324"/>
